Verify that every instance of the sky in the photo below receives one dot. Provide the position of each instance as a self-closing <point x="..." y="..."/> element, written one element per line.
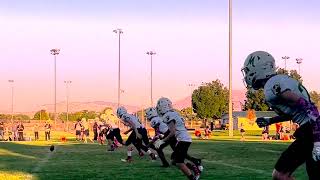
<point x="190" y="38"/>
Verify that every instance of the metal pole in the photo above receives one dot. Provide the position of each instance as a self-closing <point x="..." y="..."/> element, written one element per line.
<point x="55" y="90"/>
<point x="67" y="89"/>
<point x="12" y="91"/>
<point x="151" y="83"/>
<point x="230" y="70"/>
<point x="119" y="73"/>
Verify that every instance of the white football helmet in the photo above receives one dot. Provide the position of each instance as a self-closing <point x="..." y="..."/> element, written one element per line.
<point x="154" y="122"/>
<point x="121" y="111"/>
<point x="151" y="112"/>
<point x="164" y="105"/>
<point x="258" y="66"/>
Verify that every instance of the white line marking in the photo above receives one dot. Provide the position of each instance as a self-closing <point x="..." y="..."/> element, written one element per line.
<point x="238" y="167"/>
<point x="268" y="150"/>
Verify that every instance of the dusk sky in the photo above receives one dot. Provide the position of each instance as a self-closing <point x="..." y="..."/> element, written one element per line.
<point x="190" y="38"/>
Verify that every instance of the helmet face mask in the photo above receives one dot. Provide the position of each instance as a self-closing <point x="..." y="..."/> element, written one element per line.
<point x="150" y="113"/>
<point x="258" y="67"/>
<point x="164" y="105"/>
<point x="121" y="111"/>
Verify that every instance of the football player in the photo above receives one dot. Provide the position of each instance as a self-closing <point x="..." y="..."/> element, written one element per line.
<point x="291" y="101"/>
<point x="178" y="130"/>
<point x="162" y="131"/>
<point x="138" y="134"/>
<point x="114" y="132"/>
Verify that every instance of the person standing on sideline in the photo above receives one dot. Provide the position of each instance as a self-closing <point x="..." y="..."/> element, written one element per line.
<point x="47" y="127"/>
<point x="242" y="132"/>
<point x="1" y="131"/>
<point x="85" y="126"/>
<point x="36" y="131"/>
<point x="95" y="130"/>
<point x="78" y="128"/>
<point x="20" y="129"/>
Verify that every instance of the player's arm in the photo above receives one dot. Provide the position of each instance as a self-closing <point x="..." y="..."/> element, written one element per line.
<point x="172" y="130"/>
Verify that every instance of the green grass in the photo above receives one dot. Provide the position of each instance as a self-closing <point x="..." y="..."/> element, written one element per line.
<point x="223" y="158"/>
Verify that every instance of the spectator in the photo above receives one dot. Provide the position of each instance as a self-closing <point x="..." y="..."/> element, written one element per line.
<point x="242" y="132"/>
<point x="36" y="131"/>
<point x="207" y="133"/>
<point x="197" y="133"/>
<point x="1" y="131"/>
<point x="95" y="130"/>
<point x="265" y="133"/>
<point x="14" y="132"/>
<point x="85" y="126"/>
<point x="47" y="127"/>
<point x="78" y="128"/>
<point x="20" y="129"/>
<point x="278" y="129"/>
<point x="211" y="125"/>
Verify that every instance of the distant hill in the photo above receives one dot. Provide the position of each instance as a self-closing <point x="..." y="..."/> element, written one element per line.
<point x="238" y="99"/>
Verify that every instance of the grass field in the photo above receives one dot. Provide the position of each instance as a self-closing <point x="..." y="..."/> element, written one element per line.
<point x="223" y="158"/>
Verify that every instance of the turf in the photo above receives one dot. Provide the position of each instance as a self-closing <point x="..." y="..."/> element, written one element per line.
<point x="223" y="158"/>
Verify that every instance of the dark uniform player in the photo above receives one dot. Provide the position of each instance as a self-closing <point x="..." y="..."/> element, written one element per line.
<point x="177" y="128"/>
<point x="138" y="135"/>
<point x="291" y="101"/>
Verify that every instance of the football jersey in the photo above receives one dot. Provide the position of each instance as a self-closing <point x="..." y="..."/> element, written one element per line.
<point x="126" y="118"/>
<point x="181" y="130"/>
<point x="278" y="84"/>
<point x="163" y="127"/>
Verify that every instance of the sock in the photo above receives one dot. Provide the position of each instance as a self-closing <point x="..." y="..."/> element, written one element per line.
<point x="129" y="153"/>
<point x="149" y="152"/>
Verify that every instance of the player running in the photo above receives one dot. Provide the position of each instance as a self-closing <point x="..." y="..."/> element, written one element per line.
<point x="137" y="136"/>
<point x="291" y="101"/>
<point x="178" y="130"/>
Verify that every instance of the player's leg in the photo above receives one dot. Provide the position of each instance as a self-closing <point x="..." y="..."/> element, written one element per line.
<point x="145" y="140"/>
<point x="181" y="150"/>
<point x="118" y="135"/>
<point x="110" y="137"/>
<point x="295" y="155"/>
<point x="161" y="154"/>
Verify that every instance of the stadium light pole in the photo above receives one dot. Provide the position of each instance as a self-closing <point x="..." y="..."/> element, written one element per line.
<point x="192" y="86"/>
<point x="55" y="52"/>
<point x="119" y="32"/>
<point x="299" y="61"/>
<point x="67" y="94"/>
<point x="285" y="58"/>
<point x="12" y="91"/>
<point x="230" y="70"/>
<point x="151" y="53"/>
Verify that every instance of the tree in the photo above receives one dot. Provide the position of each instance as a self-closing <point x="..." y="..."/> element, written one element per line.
<point x="41" y="114"/>
<point x="187" y="113"/>
<point x="315" y="97"/>
<point x="255" y="100"/>
<point x="210" y="100"/>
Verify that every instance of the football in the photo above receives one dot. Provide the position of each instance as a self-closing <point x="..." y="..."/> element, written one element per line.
<point x="51" y="148"/>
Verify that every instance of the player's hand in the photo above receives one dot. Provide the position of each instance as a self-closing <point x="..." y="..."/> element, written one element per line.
<point x="158" y="143"/>
<point x="139" y="136"/>
<point x="263" y="121"/>
<point x="316" y="151"/>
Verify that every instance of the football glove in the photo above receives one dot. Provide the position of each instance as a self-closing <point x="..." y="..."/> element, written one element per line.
<point x="263" y="121"/>
<point x="316" y="151"/>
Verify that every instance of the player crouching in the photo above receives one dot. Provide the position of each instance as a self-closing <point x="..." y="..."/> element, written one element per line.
<point x="137" y="136"/>
<point x="291" y="101"/>
<point x="178" y="130"/>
